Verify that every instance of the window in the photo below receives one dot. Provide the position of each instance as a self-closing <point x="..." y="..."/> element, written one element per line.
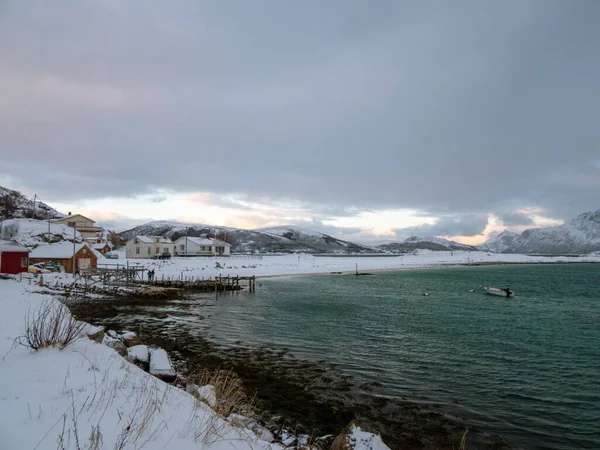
<point x="137" y="250"/>
<point x="23" y="262"/>
<point x="182" y="247"/>
<point x="149" y="251"/>
<point x="72" y="224"/>
<point x="157" y="250"/>
<point x="136" y="242"/>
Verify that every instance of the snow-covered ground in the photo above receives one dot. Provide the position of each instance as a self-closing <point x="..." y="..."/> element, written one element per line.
<point x="31" y="232"/>
<point x="261" y="266"/>
<point x="87" y="393"/>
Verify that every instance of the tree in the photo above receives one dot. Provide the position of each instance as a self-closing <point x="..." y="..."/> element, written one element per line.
<point x="114" y="239"/>
<point x="176" y="235"/>
<point x="224" y="236"/>
<point x="8" y="205"/>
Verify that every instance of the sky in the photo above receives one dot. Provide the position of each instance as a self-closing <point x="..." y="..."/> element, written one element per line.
<point x="369" y="121"/>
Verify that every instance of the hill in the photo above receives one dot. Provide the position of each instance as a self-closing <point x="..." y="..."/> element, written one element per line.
<point x="266" y="240"/>
<point x="426" y="243"/>
<point x="31" y="232"/>
<point x="14" y="205"/>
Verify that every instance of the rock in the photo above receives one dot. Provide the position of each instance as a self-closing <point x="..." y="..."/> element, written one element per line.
<point x="132" y="341"/>
<point x="160" y="365"/>
<point x="208" y="395"/>
<point x="115" y="344"/>
<point x="113" y="334"/>
<point x="138" y="353"/>
<point x="263" y="434"/>
<point x="191" y="388"/>
<point x="127" y="335"/>
<point x="95" y="333"/>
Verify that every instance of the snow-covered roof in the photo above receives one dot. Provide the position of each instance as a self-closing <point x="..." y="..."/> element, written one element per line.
<point x="161" y="240"/>
<point x="203" y="241"/>
<point x="61" y="250"/>
<point x="99" y="246"/>
<point x="74" y="215"/>
<point x="143" y="239"/>
<point x="11" y="246"/>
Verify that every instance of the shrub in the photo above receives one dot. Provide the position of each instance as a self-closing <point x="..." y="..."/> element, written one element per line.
<point x="50" y="325"/>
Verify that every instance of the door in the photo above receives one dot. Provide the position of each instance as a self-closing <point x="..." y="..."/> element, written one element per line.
<point x="84" y="263"/>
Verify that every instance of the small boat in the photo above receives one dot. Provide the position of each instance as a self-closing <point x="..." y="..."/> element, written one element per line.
<point x="497" y="291"/>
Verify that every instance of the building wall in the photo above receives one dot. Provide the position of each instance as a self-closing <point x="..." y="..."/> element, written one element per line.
<point x="67" y="263"/>
<point x="14" y="262"/>
<point x="145" y="249"/>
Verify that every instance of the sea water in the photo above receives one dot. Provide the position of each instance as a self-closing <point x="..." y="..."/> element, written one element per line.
<point x="526" y="368"/>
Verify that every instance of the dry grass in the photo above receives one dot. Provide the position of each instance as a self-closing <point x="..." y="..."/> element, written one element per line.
<point x="229" y="391"/>
<point x="463" y="441"/>
<point x="50" y="325"/>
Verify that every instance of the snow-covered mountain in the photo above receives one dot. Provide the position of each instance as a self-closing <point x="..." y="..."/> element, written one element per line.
<point x="426" y="243"/>
<point x="579" y="236"/>
<point x="267" y="240"/>
<point x="20" y="206"/>
<point x="498" y="243"/>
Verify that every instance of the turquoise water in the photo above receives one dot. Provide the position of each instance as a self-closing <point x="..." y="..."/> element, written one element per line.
<point x="526" y="368"/>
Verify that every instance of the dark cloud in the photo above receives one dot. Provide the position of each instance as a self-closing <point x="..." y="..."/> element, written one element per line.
<point x="466" y="225"/>
<point x="449" y="107"/>
<point x="516" y="219"/>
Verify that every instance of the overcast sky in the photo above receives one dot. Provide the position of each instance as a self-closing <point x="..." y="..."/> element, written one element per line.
<point x="368" y="120"/>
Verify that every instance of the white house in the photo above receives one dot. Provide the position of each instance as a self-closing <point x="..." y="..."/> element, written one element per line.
<point x="148" y="246"/>
<point x="201" y="246"/>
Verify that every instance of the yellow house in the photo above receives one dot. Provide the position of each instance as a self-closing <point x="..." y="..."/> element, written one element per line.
<point x="81" y="223"/>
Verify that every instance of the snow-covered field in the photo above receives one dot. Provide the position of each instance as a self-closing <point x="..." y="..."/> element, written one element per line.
<point x="262" y="266"/>
<point x="87" y="394"/>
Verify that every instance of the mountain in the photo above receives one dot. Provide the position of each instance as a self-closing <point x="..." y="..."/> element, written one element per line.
<point x="426" y="243"/>
<point x="14" y="205"/>
<point x="500" y="242"/>
<point x="579" y="236"/>
<point x="266" y="240"/>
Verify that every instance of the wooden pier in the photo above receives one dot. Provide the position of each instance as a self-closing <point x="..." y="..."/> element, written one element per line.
<point x="134" y="276"/>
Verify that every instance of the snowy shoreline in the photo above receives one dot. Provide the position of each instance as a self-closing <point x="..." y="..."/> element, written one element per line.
<point x="87" y="394"/>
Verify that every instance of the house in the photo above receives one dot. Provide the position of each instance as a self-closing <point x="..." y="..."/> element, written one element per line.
<point x="201" y="246"/>
<point x="148" y="246"/>
<point x="102" y="247"/>
<point x="81" y="223"/>
<point x="14" y="258"/>
<point x="66" y="254"/>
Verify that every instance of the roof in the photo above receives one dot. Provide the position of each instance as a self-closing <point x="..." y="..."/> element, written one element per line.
<point x="203" y="241"/>
<point x="100" y="246"/>
<point x="71" y="216"/>
<point x="11" y="246"/>
<point x="61" y="250"/>
<point x="143" y="239"/>
<point x="161" y="239"/>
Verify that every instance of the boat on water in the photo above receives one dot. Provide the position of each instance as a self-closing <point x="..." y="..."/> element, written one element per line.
<point x="500" y="292"/>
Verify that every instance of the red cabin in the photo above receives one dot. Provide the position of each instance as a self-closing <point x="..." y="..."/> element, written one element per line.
<point x="14" y="258"/>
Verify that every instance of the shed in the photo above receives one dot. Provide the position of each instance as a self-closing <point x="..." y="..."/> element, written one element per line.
<point x="14" y="258"/>
<point x="103" y="247"/>
<point x="64" y="253"/>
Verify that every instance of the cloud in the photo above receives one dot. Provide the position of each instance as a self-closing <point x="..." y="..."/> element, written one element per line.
<point x="468" y="107"/>
<point x="466" y="225"/>
<point x="516" y="219"/>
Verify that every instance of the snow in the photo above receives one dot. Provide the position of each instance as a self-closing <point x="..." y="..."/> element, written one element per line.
<point x="60" y="250"/>
<point x="11" y="246"/>
<point x="300" y="264"/>
<point x="138" y="353"/>
<point x="144" y="239"/>
<point x="31" y="232"/>
<point x="42" y="392"/>
<point x="361" y="440"/>
<point x="160" y="364"/>
<point x="208" y="394"/>
<point x="202" y="241"/>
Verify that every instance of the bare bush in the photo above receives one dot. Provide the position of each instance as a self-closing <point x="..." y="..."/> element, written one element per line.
<point x="50" y="325"/>
<point x="9" y="230"/>
<point x="8" y="204"/>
